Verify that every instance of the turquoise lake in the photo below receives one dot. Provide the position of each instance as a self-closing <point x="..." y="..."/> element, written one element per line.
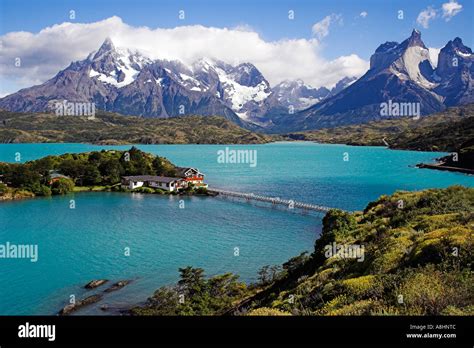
<point x="88" y="242"/>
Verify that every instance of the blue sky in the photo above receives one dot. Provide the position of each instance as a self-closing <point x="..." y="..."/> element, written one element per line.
<point x="268" y="17"/>
<point x="326" y="41"/>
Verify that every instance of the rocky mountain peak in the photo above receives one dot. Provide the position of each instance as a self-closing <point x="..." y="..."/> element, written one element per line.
<point x="457" y="46"/>
<point x="415" y="39"/>
<point x="107" y="46"/>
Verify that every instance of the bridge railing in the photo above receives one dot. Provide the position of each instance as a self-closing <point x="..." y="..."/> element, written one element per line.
<point x="273" y="200"/>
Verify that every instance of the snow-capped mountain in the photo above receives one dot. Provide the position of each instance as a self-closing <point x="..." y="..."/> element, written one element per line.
<point x="115" y="66"/>
<point x="297" y="94"/>
<point x="125" y="81"/>
<point x="244" y="89"/>
<point x="399" y="72"/>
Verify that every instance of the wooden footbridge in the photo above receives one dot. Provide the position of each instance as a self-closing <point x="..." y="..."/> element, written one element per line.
<point x="290" y="204"/>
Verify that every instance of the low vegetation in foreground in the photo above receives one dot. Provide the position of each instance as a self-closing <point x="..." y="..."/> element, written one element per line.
<point x="417" y="260"/>
<point x="90" y="171"/>
<point x="110" y="129"/>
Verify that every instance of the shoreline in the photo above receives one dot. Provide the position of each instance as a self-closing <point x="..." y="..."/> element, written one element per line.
<point x="442" y="167"/>
<point x="23" y="195"/>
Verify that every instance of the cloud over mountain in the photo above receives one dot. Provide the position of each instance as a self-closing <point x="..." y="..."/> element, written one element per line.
<point x="42" y="54"/>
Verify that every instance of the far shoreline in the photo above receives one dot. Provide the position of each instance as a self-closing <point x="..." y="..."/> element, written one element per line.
<point x="434" y="166"/>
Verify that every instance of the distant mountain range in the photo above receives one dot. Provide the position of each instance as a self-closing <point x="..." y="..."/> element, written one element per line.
<point x="125" y="81"/>
<point x="401" y="73"/>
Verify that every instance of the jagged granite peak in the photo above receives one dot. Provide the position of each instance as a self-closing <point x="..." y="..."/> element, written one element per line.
<point x="248" y="75"/>
<point x="414" y="39"/>
<point x="387" y="46"/>
<point x="343" y="83"/>
<point x="455" y="73"/>
<point x="409" y="60"/>
<point x="391" y="51"/>
<point x="400" y="73"/>
<point x="453" y="55"/>
<point x="107" y="46"/>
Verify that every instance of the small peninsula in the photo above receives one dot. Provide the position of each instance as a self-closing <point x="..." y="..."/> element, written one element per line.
<point x="105" y="170"/>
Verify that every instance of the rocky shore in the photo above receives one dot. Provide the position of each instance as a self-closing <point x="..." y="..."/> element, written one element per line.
<point x="94" y="284"/>
<point x="442" y="166"/>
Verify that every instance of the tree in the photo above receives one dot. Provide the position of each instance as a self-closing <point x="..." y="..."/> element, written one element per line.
<point x="62" y="186"/>
<point x="264" y="275"/>
<point x="39" y="189"/>
<point x="43" y="165"/>
<point x="22" y="176"/>
<point x="91" y="175"/>
<point x="268" y="274"/>
<point x="192" y="280"/>
<point x="296" y="262"/>
<point x="111" y="170"/>
<point x="72" y="168"/>
<point x="163" y="167"/>
<point x="194" y="295"/>
<point x="95" y="157"/>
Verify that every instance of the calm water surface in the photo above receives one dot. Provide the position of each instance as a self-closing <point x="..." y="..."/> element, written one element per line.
<point x="77" y="245"/>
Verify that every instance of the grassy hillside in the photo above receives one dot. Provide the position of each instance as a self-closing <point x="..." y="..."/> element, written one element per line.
<point x="110" y="128"/>
<point x="444" y="131"/>
<point x="417" y="260"/>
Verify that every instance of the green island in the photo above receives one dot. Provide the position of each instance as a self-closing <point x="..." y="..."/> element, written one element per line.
<point x="418" y="260"/>
<point x="451" y="130"/>
<point x="107" y="128"/>
<point x="103" y="170"/>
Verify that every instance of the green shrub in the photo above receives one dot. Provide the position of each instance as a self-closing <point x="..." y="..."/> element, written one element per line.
<point x="363" y="307"/>
<point x="144" y="189"/>
<point x="429" y="291"/>
<point x="62" y="186"/>
<point x="43" y="191"/>
<point x="337" y="225"/>
<point x="264" y="311"/>
<point x="359" y="286"/>
<point x="201" y="191"/>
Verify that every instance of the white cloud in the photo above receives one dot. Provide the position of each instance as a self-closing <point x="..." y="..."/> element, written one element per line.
<point x="450" y="9"/>
<point x="426" y="16"/>
<point x="321" y="28"/>
<point x="364" y="14"/>
<point x="44" y="53"/>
